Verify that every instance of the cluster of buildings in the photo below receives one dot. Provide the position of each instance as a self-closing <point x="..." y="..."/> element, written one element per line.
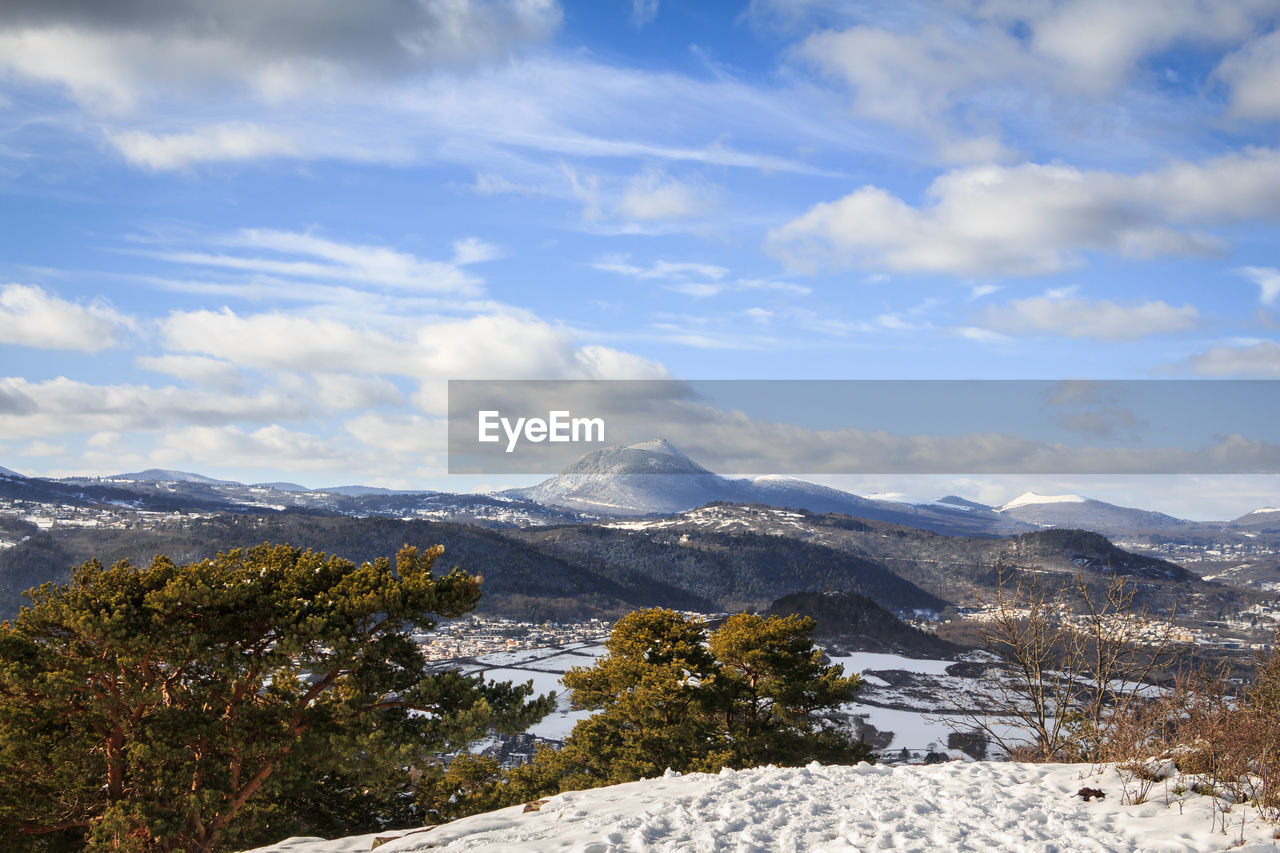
<point x="1184" y="553"/>
<point x="47" y="516"/>
<point x="473" y="636"/>
<point x="1237" y="632"/>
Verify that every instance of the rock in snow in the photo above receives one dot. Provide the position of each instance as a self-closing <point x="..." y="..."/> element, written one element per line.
<point x="978" y="806"/>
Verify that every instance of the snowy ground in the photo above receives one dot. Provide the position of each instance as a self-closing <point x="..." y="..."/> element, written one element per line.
<point x="978" y="806"/>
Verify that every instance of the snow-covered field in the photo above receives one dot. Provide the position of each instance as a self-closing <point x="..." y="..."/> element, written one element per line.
<point x="920" y="728"/>
<point x="917" y="717"/>
<point x="979" y="806"/>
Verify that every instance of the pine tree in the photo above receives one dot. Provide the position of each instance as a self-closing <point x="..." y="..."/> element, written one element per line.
<point x="778" y="697"/>
<point x="755" y="691"/>
<point x="232" y="701"/>
<point x="653" y="689"/>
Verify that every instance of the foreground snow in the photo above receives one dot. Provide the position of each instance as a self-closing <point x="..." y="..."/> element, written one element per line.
<point x="977" y="806"/>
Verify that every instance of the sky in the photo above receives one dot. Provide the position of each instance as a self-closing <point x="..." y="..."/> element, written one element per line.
<point x="255" y="238"/>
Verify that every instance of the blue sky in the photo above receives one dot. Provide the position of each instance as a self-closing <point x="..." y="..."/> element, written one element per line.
<point x="254" y="239"/>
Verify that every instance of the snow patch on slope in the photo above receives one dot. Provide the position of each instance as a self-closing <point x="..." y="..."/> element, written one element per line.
<point x="956" y="806"/>
<point x="1031" y="498"/>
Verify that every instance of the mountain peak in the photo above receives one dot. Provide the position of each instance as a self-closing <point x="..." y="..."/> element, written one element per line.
<point x="1029" y="498"/>
<point x="656" y="445"/>
<point x="625" y="481"/>
<point x="657" y="456"/>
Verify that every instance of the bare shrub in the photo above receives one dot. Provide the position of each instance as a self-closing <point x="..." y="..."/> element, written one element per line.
<point x="1073" y="661"/>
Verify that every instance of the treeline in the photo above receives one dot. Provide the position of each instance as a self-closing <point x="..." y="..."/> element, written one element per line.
<point x="270" y="692"/>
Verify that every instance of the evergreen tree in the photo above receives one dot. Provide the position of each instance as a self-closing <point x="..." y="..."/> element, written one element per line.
<point x="753" y="692"/>
<point x="653" y="689"/>
<point x="778" y="697"/>
<point x="233" y="701"/>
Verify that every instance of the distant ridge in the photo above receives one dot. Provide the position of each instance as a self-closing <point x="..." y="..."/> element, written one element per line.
<point x="281" y="487"/>
<point x="363" y="491"/>
<point x="1074" y="511"/>
<point x="164" y="475"/>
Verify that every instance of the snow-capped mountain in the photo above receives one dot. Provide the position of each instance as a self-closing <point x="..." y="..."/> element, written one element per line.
<point x="1266" y="517"/>
<point x="654" y="477"/>
<point x="641" y="479"/>
<point x="1086" y="514"/>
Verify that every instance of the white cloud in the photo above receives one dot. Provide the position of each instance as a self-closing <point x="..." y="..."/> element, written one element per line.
<point x="485" y="346"/>
<point x="271" y="446"/>
<point x="938" y="68"/>
<point x="112" y="56"/>
<point x="1085" y="318"/>
<point x="194" y="368"/>
<point x="698" y="290"/>
<point x="692" y="278"/>
<point x="1035" y="219"/>
<point x="62" y="405"/>
<point x="1100" y="43"/>
<point x="231" y="141"/>
<point x="1253" y="74"/>
<point x="281" y="341"/>
<point x="1268" y="281"/>
<point x="660" y="269"/>
<point x="400" y="433"/>
<point x="912" y="79"/>
<point x="973" y="333"/>
<point x="643" y="12"/>
<point x="654" y="195"/>
<point x="31" y="317"/>
<point x="474" y="251"/>
<point x="1257" y="360"/>
<point x="304" y="255"/>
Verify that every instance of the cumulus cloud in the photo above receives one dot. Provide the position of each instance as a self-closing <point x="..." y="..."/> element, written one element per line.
<point x="934" y="68"/>
<point x="1035" y="219"/>
<point x="482" y="346"/>
<point x="277" y="340"/>
<point x="62" y="405"/>
<point x="1261" y="359"/>
<point x="1100" y="319"/>
<point x="1100" y="43"/>
<point x="111" y="55"/>
<point x="1253" y="75"/>
<point x="194" y="368"/>
<point x="272" y="446"/>
<point x="399" y="433"/>
<point x="912" y="79"/>
<point x="31" y="317"/>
